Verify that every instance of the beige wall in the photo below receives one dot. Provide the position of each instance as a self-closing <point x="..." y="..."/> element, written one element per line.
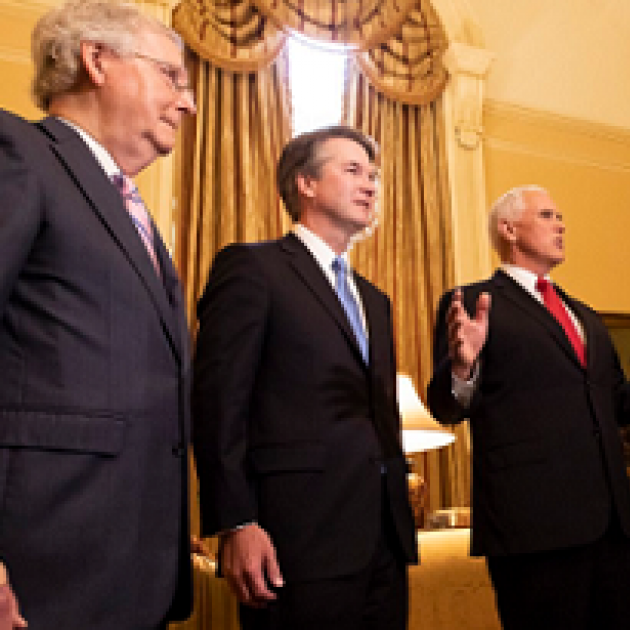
<point x="16" y="23"/>
<point x="557" y="113"/>
<point x="568" y="57"/>
<point x="586" y="166"/>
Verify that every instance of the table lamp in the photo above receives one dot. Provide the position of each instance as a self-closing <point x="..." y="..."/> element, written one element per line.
<point x="420" y="433"/>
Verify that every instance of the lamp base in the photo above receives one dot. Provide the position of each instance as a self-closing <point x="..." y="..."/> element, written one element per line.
<point x="448" y="518"/>
<point x="417" y="494"/>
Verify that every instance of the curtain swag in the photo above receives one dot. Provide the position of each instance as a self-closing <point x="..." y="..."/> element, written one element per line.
<point x="398" y="43"/>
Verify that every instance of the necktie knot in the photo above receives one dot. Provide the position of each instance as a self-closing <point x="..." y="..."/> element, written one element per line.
<point x="339" y="267"/>
<point x="542" y="285"/>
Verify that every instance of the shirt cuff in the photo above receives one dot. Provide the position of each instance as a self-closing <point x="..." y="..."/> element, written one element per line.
<point x="463" y="390"/>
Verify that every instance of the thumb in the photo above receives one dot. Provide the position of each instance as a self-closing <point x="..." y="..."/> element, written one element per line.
<point x="272" y="569"/>
<point x="484" y="301"/>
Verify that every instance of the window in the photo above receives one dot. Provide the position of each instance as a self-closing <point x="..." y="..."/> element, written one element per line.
<point x="316" y="76"/>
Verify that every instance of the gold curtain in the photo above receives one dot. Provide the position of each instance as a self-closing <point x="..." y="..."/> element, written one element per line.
<point x="409" y="255"/>
<point x="228" y="170"/>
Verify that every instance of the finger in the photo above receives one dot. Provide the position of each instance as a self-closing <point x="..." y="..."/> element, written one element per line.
<point x="259" y="589"/>
<point x="19" y="621"/>
<point x="484" y="302"/>
<point x="457" y="296"/>
<point x="456" y="305"/>
<point x="239" y="588"/>
<point x="272" y="569"/>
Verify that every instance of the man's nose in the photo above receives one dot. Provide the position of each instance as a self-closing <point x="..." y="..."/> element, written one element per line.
<point x="187" y="101"/>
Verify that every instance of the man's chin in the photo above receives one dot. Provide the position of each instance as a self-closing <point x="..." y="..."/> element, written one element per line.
<point x="166" y="142"/>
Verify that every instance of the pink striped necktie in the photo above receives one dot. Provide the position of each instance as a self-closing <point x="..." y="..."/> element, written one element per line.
<point x="138" y="213"/>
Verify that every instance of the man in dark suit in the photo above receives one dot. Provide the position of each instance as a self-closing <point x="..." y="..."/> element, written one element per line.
<point x="94" y="350"/>
<point x="536" y="373"/>
<point x="295" y="422"/>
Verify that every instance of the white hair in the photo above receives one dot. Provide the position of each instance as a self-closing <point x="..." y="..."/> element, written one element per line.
<point x="509" y="206"/>
<point x="57" y="37"/>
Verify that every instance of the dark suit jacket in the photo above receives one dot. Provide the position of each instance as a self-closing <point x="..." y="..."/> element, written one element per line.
<point x="548" y="465"/>
<point x="94" y="365"/>
<point x="289" y="424"/>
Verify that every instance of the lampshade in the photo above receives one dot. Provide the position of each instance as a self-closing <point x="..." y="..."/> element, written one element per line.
<point x="420" y="431"/>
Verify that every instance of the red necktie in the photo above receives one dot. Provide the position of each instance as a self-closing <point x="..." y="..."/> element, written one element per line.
<point x="557" y="309"/>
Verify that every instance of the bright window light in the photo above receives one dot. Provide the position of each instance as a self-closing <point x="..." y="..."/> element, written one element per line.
<point x="316" y="74"/>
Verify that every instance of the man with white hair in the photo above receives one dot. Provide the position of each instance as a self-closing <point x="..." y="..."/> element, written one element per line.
<point x="536" y="373"/>
<point x="94" y="352"/>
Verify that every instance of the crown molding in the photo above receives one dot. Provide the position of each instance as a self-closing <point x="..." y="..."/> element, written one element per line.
<point x="567" y="124"/>
<point x="548" y="135"/>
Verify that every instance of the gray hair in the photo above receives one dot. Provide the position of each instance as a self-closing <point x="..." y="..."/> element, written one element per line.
<point x="57" y="37"/>
<point x="509" y="206"/>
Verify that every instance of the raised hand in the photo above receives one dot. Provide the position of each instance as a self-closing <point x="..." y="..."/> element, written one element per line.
<point x="466" y="335"/>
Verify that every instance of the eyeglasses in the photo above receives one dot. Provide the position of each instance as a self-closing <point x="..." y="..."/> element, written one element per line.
<point x="176" y="75"/>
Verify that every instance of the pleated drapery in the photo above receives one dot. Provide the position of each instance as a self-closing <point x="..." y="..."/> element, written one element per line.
<point x="410" y="253"/>
<point x="228" y="166"/>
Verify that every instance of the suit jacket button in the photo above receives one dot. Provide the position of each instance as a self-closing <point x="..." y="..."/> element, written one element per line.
<point x="178" y="450"/>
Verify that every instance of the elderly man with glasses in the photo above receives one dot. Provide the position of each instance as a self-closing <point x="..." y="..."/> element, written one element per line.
<point x="94" y="349"/>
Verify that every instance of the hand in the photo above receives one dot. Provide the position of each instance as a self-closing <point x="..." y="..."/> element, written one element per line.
<point x="466" y="335"/>
<point x="248" y="561"/>
<point x="10" y="617"/>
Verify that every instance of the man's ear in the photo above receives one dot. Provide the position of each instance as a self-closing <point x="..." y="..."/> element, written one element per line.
<point x="305" y="185"/>
<point x="92" y="55"/>
<point x="507" y="230"/>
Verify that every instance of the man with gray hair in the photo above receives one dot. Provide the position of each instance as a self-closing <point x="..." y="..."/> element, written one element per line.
<point x="94" y="354"/>
<point x="536" y="373"/>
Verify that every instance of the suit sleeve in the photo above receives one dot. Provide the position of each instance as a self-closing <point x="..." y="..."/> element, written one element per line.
<point x="20" y="206"/>
<point x="440" y="399"/>
<point x="232" y="319"/>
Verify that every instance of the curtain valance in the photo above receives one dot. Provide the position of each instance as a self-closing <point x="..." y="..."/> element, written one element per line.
<point x="397" y="43"/>
<point x="231" y="34"/>
<point x="408" y="66"/>
<point x="361" y="24"/>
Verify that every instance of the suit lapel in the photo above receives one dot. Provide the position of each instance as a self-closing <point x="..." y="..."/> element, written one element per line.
<point x="313" y="277"/>
<point x="107" y="203"/>
<point x="512" y="291"/>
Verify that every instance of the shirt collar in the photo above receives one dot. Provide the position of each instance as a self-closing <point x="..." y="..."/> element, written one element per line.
<point x="101" y="154"/>
<point x="320" y="250"/>
<point x="525" y="278"/>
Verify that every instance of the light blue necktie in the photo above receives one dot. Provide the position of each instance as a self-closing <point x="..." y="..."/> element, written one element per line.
<point x="350" y="305"/>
